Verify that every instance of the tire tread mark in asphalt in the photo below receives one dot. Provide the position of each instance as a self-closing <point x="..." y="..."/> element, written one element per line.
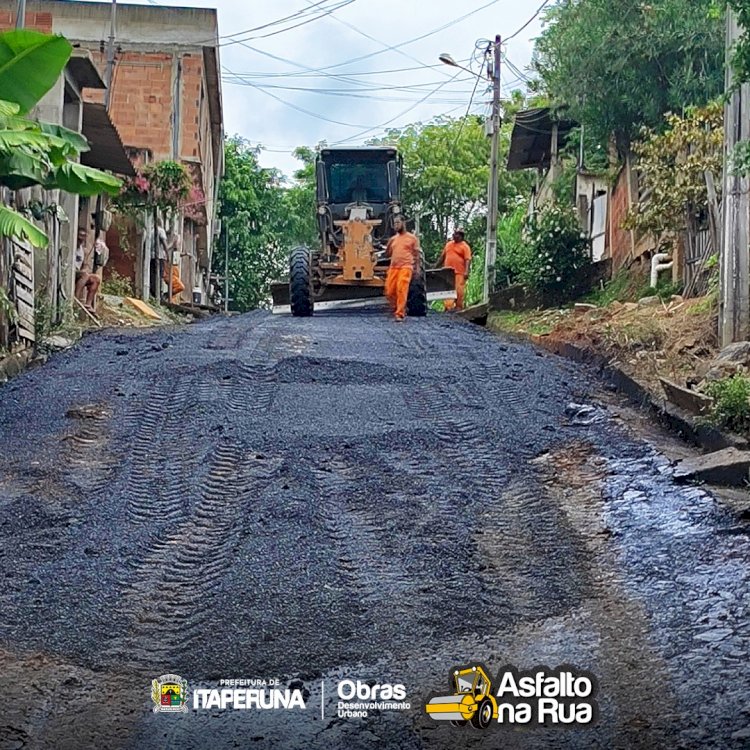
<point x="254" y="390"/>
<point x="172" y="581"/>
<point x="146" y="422"/>
<point x="88" y="465"/>
<point x="373" y="573"/>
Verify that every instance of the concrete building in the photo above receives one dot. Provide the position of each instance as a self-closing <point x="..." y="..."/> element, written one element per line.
<point x="165" y="102"/>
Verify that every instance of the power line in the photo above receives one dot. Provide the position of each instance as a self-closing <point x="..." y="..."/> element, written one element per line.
<point x="414" y="87"/>
<point x="313" y="74"/>
<point x="529" y="22"/>
<point x="386" y="46"/>
<point x="323" y="14"/>
<point x="468" y="109"/>
<point x="400" y="44"/>
<point x="302" y="109"/>
<point x="290" y="17"/>
<point x="399" y="115"/>
<point x="515" y="69"/>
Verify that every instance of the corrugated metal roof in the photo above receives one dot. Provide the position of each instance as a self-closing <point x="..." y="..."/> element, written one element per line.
<point x="107" y="151"/>
<point x="83" y="70"/>
<point x="530" y="142"/>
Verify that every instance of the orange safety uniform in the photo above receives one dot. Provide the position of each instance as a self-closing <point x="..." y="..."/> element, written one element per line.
<point x="177" y="285"/>
<point x="457" y="255"/>
<point x="403" y="250"/>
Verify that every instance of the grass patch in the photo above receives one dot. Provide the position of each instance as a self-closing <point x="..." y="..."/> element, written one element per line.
<point x="706" y="305"/>
<point x="626" y="286"/>
<point x="117" y="286"/>
<point x="621" y="288"/>
<point x="520" y="322"/>
<point x="731" y="402"/>
<point x="636" y="336"/>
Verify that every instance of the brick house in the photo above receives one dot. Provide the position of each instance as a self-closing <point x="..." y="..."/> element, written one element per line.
<point x="166" y="103"/>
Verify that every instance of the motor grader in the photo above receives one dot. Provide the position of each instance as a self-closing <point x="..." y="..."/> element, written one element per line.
<point x="358" y="195"/>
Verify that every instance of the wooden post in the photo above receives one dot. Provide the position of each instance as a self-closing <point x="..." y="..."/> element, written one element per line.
<point x="734" y="311"/>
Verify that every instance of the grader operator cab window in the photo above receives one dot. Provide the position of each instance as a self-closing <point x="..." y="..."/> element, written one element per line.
<point x="358" y="183"/>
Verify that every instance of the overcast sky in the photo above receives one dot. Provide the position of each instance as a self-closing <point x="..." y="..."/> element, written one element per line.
<point x="284" y="87"/>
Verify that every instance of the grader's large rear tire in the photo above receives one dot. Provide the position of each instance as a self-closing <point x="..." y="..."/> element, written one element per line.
<point x="416" y="302"/>
<point x="300" y="283"/>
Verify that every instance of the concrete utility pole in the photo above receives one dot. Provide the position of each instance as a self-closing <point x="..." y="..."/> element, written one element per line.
<point x="490" y="253"/>
<point x="110" y="55"/>
<point x="734" y="311"/>
<point x="21" y="14"/>
<point x="226" y="267"/>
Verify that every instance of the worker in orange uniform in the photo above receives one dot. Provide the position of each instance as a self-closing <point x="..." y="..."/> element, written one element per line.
<point x="456" y="255"/>
<point x="403" y="250"/>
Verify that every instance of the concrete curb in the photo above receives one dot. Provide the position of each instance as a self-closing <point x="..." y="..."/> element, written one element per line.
<point x="685" y="425"/>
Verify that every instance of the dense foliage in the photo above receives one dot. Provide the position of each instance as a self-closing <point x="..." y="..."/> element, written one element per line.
<point x="620" y="66"/>
<point x="163" y="184"/>
<point x="672" y="166"/>
<point x="731" y="407"/>
<point x="554" y="251"/>
<point x="264" y="219"/>
<point x="544" y="252"/>
<point x="741" y="53"/>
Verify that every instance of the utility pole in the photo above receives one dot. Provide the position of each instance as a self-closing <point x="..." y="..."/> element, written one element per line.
<point x="21" y="14"/>
<point x="226" y="267"/>
<point x="734" y="311"/>
<point x="110" y="56"/>
<point x="490" y="253"/>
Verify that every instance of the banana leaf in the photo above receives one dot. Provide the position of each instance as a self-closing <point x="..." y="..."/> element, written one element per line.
<point x="21" y="170"/>
<point x="75" y="143"/>
<point x="8" y="109"/>
<point x="29" y="140"/>
<point x="86" y="181"/>
<point x="12" y="224"/>
<point x="30" y="64"/>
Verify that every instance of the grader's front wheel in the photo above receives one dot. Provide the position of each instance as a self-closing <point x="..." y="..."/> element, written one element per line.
<point x="300" y="283"/>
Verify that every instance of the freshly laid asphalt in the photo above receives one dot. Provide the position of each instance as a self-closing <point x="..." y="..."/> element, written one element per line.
<point x="343" y="497"/>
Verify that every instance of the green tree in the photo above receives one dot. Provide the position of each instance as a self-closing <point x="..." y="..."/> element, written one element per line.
<point x="265" y="218"/>
<point x="446" y="169"/>
<point x="298" y="225"/>
<point x="741" y="54"/>
<point x="623" y="65"/>
<point x="672" y="166"/>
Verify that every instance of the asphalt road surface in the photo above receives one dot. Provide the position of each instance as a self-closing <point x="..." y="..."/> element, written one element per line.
<point x="345" y="498"/>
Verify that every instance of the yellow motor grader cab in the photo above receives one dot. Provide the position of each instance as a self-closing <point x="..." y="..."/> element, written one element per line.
<point x="358" y="193"/>
<point x="472" y="700"/>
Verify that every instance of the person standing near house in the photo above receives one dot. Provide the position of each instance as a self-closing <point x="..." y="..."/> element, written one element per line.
<point x="176" y="287"/>
<point x="456" y="255"/>
<point x="87" y="281"/>
<point x="403" y="250"/>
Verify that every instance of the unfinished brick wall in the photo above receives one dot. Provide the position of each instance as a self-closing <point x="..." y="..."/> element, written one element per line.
<point x="141" y="106"/>
<point x="36" y="21"/>
<point x="192" y="103"/>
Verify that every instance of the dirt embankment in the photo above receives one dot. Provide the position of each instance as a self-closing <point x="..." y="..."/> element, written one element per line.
<point x="674" y="339"/>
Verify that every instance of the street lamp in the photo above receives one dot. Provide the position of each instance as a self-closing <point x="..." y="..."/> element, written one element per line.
<point x="490" y="251"/>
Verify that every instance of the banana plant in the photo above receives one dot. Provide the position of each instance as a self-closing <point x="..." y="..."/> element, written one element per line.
<point x="38" y="153"/>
